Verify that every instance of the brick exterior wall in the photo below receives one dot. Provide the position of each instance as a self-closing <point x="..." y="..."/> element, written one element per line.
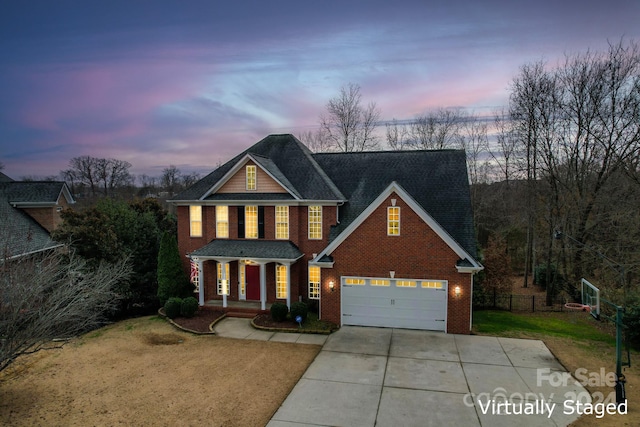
<point x="418" y="253"/>
<point x="48" y="217"/>
<point x="298" y="235"/>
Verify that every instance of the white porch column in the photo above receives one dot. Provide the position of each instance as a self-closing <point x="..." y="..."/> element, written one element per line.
<point x="263" y="286"/>
<point x="288" y="267"/>
<point x="200" y="283"/>
<point x="225" y="280"/>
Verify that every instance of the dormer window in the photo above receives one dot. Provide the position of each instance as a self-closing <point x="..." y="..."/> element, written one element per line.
<point x="251" y="177"/>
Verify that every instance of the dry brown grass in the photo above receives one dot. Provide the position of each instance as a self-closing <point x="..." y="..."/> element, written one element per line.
<point x="143" y="372"/>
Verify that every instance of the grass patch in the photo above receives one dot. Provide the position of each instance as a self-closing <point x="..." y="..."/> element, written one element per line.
<point x="312" y="323"/>
<point x="576" y="326"/>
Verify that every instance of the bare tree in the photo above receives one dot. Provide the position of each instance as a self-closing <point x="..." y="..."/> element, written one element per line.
<point x="316" y="141"/>
<point x="398" y="137"/>
<point x="437" y="129"/>
<point x="92" y="172"/>
<point x="347" y="125"/>
<point x="170" y="179"/>
<point x="52" y="297"/>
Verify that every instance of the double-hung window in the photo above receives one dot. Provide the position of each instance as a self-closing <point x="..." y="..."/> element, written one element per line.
<point x="393" y="221"/>
<point x="223" y="284"/>
<point x="281" y="281"/>
<point x="282" y="222"/>
<point x="195" y="221"/>
<point x="222" y="222"/>
<point x="314" y="282"/>
<point x="251" y="222"/>
<point x="315" y="222"/>
<point x="251" y="177"/>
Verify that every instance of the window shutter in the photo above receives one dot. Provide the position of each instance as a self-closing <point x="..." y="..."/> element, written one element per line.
<point x="260" y="222"/>
<point x="240" y="222"/>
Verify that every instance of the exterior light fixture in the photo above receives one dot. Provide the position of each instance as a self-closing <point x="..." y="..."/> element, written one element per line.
<point x="457" y="291"/>
<point x="331" y="285"/>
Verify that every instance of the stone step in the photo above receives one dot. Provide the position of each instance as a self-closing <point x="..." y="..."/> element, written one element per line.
<point x="241" y="314"/>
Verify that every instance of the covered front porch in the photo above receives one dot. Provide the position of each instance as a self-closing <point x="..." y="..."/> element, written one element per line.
<point x="241" y="269"/>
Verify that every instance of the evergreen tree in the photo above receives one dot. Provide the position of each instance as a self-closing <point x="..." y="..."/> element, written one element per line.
<point x="172" y="280"/>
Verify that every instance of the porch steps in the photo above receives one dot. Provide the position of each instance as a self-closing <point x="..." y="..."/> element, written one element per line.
<point x="241" y="314"/>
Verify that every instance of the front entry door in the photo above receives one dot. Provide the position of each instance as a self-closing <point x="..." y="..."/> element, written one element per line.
<point x="253" y="282"/>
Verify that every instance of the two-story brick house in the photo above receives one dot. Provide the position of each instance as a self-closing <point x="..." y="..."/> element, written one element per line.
<point x="377" y="238"/>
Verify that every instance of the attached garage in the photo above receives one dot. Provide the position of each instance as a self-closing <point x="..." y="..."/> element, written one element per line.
<point x="394" y="303"/>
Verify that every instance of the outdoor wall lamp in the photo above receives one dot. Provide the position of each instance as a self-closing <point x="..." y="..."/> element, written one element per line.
<point x="331" y="285"/>
<point x="457" y="291"/>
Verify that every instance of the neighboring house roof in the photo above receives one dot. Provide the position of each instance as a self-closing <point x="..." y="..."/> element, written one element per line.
<point x="293" y="161"/>
<point x="37" y="193"/>
<point x="254" y="249"/>
<point x="20" y="234"/>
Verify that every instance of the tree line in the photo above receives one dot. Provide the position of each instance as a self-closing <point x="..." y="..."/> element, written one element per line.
<point x="555" y="175"/>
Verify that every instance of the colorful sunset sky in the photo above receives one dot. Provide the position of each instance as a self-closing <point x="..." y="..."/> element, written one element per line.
<point x="192" y="83"/>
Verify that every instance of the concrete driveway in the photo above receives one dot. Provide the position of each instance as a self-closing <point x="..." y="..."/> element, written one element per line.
<point x="389" y="377"/>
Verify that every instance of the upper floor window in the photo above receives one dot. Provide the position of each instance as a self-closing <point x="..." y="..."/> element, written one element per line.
<point x="251" y="222"/>
<point x="393" y="221"/>
<point x="251" y="177"/>
<point x="222" y="222"/>
<point x="315" y="222"/>
<point x="282" y="222"/>
<point x="195" y="221"/>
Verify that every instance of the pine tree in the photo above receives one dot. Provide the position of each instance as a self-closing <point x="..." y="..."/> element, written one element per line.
<point x="172" y="280"/>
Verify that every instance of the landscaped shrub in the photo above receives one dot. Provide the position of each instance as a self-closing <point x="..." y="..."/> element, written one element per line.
<point x="279" y="311"/>
<point x="299" y="309"/>
<point x="172" y="307"/>
<point x="172" y="280"/>
<point x="189" y="307"/>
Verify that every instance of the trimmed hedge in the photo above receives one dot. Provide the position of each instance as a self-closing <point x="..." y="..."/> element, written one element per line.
<point x="189" y="307"/>
<point x="279" y="311"/>
<point x="173" y="307"/>
<point x="299" y="309"/>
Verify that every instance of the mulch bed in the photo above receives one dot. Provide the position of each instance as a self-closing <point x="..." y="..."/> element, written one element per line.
<point x="265" y="320"/>
<point x="200" y="321"/>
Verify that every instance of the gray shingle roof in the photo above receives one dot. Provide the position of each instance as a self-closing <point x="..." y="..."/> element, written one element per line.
<point x="34" y="191"/>
<point x="291" y="158"/>
<point x="254" y="249"/>
<point x="19" y="233"/>
<point x="437" y="180"/>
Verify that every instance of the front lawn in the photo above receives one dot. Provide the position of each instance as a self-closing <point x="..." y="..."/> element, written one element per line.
<point x="144" y="372"/>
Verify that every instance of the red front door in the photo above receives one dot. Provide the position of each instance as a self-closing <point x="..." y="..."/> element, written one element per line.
<point x="253" y="282"/>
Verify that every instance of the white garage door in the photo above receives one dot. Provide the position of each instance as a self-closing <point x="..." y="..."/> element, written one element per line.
<point x="394" y="303"/>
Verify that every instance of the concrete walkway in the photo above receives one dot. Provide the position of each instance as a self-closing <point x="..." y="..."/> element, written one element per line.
<point x="390" y="377"/>
<point x="231" y="327"/>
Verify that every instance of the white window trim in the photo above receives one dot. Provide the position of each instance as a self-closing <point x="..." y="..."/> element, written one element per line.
<point x="313" y="285"/>
<point x="219" y="277"/>
<point x="246" y="222"/>
<point x="309" y="222"/>
<point x="389" y="209"/>
<point x="218" y="222"/>
<point x="287" y="221"/>
<point x="193" y="220"/>
<point x="281" y="270"/>
<point x="254" y="171"/>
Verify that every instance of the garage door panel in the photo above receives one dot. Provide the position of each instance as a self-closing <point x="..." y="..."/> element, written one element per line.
<point x="396" y="307"/>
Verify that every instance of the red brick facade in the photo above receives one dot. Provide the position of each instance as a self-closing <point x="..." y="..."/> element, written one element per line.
<point x="417" y="253"/>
